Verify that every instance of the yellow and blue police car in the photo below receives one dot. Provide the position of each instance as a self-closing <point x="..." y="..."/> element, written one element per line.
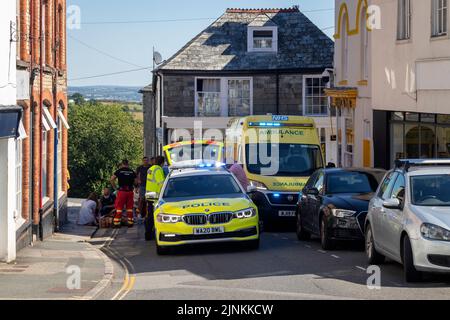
<point x="204" y="202"/>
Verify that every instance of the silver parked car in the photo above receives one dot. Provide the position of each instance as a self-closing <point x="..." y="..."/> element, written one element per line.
<point x="409" y="218"/>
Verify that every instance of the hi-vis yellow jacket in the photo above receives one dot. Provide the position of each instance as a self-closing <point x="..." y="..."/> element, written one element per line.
<point x="155" y="179"/>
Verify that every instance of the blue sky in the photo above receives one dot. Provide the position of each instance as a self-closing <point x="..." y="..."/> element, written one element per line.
<point x="132" y="43"/>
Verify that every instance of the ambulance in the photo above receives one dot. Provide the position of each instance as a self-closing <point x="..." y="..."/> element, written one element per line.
<point x="278" y="154"/>
<point x="207" y="150"/>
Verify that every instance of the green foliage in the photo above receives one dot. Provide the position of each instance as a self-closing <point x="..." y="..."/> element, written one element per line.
<point x="78" y="98"/>
<point x="100" y="137"/>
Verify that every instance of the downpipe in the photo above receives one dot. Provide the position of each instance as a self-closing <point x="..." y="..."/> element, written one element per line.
<point x="41" y="228"/>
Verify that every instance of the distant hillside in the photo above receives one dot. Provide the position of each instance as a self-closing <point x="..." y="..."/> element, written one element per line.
<point x="108" y="93"/>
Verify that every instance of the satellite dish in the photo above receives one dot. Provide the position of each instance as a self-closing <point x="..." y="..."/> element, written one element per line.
<point x="157" y="57"/>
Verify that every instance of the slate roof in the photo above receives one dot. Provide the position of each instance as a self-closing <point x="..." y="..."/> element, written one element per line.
<point x="223" y="45"/>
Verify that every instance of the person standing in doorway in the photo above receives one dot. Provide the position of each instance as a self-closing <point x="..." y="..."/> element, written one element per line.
<point x="125" y="196"/>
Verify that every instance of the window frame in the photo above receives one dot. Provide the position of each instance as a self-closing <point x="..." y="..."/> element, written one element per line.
<point x="364" y="45"/>
<point x="304" y="106"/>
<point x="399" y="176"/>
<point x="250" y="39"/>
<point x="60" y="126"/>
<point x="404" y="20"/>
<point x="320" y="182"/>
<point x="48" y="124"/>
<point x="436" y="24"/>
<point x="224" y="96"/>
<point x="18" y="180"/>
<point x="392" y="177"/>
<point x="344" y="49"/>
<point x="44" y="155"/>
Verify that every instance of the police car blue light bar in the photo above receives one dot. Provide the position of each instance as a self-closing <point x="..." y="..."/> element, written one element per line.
<point x="278" y="124"/>
<point x="198" y="163"/>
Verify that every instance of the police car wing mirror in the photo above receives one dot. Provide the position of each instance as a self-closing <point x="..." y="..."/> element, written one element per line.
<point x="151" y="195"/>
<point x="251" y="189"/>
<point x="393" y="203"/>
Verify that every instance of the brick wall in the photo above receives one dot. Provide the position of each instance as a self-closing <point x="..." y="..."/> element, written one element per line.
<point x="52" y="94"/>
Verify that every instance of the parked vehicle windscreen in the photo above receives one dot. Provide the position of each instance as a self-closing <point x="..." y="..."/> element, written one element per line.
<point x="195" y="152"/>
<point x="284" y="159"/>
<point x="431" y="190"/>
<point x="351" y="182"/>
<point x="201" y="185"/>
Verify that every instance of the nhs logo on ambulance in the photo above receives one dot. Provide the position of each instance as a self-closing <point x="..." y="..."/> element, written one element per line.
<point x="280" y="118"/>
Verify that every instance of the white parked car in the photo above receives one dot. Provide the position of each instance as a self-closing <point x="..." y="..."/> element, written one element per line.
<point x="409" y="218"/>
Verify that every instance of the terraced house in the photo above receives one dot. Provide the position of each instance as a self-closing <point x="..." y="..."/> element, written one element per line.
<point x="36" y="39"/>
<point x="248" y="62"/>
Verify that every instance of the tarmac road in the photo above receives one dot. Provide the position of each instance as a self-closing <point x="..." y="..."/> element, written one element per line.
<point x="283" y="268"/>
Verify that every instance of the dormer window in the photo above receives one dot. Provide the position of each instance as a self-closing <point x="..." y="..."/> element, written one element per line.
<point x="262" y="39"/>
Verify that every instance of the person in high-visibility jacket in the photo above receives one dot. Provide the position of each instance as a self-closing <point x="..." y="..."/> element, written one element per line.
<point x="156" y="176"/>
<point x="155" y="181"/>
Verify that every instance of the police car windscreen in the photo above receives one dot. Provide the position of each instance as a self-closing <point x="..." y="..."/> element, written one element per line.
<point x="201" y="185"/>
<point x="288" y="160"/>
<point x="195" y="152"/>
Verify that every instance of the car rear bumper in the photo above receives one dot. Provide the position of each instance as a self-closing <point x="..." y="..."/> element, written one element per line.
<point x="431" y="256"/>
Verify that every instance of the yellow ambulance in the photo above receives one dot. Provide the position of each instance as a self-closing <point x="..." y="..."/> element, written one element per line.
<point x="278" y="154"/>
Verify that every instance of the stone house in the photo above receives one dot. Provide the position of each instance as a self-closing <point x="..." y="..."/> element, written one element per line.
<point x="248" y="62"/>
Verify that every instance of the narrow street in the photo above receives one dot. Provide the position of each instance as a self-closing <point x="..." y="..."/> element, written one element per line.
<point x="283" y="268"/>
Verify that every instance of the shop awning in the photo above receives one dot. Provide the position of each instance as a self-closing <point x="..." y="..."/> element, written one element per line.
<point x="22" y="132"/>
<point x="9" y="121"/>
<point x="63" y="119"/>
<point x="47" y="120"/>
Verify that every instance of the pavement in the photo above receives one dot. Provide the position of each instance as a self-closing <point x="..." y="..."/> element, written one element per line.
<point x="283" y="268"/>
<point x="50" y="269"/>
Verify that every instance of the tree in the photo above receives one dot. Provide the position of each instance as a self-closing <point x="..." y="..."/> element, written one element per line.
<point x="101" y="136"/>
<point x="78" y="98"/>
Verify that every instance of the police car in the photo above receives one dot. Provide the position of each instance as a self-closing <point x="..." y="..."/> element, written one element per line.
<point x="204" y="202"/>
